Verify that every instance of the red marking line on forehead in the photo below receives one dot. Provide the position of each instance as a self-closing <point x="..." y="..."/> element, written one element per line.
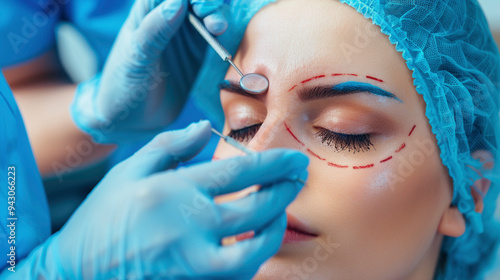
<point x="334" y="75"/>
<point x="313" y="78"/>
<point x="293" y="135"/>
<point x="343" y="74"/>
<point x="375" y="79"/>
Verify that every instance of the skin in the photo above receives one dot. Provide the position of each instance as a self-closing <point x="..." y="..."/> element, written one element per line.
<point x="44" y="96"/>
<point x="384" y="222"/>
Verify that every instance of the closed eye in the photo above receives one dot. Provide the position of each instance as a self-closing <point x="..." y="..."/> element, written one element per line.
<point x="245" y="134"/>
<point x="341" y="142"/>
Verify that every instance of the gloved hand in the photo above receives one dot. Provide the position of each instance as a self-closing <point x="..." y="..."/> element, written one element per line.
<point x="147" y="77"/>
<point x="142" y="222"/>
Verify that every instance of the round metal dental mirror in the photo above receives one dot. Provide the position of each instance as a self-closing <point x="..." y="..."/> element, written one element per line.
<point x="252" y="83"/>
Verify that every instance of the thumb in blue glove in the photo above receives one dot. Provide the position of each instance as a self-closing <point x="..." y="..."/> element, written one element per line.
<point x="132" y="225"/>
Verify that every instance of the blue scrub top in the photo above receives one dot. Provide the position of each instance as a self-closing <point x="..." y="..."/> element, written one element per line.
<point x="32" y="225"/>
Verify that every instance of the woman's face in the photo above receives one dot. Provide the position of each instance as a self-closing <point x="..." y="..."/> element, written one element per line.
<point x="342" y="94"/>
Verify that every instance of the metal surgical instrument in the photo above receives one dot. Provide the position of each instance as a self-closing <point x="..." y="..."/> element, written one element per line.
<point x="229" y="140"/>
<point x="252" y="83"/>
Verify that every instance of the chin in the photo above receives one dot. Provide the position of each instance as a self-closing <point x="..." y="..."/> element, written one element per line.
<point x="282" y="268"/>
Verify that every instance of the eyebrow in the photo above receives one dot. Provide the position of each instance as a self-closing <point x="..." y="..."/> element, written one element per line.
<point x="320" y="92"/>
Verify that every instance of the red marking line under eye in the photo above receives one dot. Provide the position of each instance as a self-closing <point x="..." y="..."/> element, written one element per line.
<point x="387" y="159"/>
<point x="412" y="130"/>
<point x="336" y="165"/>
<point x="375" y="79"/>
<point x="345" y="166"/>
<point x="401" y="148"/>
<point x="293" y="135"/>
<point x="313" y="78"/>
<point x="292" y="88"/>
<point x="314" y="154"/>
<point x="364" y="167"/>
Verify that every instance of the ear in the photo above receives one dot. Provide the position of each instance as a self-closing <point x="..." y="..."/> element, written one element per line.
<point x="481" y="186"/>
<point x="478" y="191"/>
<point x="452" y="222"/>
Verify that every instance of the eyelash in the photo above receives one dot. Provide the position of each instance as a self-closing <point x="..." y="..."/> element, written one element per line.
<point x="244" y="134"/>
<point x="351" y="142"/>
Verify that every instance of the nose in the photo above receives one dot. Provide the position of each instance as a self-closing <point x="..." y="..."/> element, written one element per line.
<point x="272" y="135"/>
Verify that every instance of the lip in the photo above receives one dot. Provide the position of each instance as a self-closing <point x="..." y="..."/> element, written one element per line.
<point x="296" y="231"/>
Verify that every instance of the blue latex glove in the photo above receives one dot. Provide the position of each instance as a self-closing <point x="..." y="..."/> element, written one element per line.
<point x="142" y="222"/>
<point x="147" y="77"/>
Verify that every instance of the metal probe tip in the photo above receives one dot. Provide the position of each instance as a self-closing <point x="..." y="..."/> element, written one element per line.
<point x="301" y="181"/>
<point x="217" y="133"/>
<point x="245" y="150"/>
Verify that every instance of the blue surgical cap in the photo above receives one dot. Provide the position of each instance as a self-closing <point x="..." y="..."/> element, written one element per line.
<point x="456" y="68"/>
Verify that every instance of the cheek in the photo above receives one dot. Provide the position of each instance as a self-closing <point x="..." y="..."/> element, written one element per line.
<point x="406" y="204"/>
<point x="376" y="213"/>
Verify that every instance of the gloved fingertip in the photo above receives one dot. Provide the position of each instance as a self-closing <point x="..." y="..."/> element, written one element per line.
<point x="216" y="23"/>
<point x="198" y="129"/>
<point x="294" y="160"/>
<point x="281" y="223"/>
<point x="202" y="8"/>
<point x="173" y="9"/>
<point x="297" y="160"/>
<point x="300" y="179"/>
<point x="202" y="124"/>
<point x="275" y="229"/>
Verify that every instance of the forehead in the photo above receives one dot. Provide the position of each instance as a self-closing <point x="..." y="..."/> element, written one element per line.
<point x="315" y="36"/>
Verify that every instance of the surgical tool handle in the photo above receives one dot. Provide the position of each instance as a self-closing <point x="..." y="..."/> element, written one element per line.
<point x="221" y="51"/>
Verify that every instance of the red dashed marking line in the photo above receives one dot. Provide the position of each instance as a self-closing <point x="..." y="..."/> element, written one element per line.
<point x="293" y="135"/>
<point x="314" y="154"/>
<point x="215" y="158"/>
<point x="401" y="148"/>
<point x="313" y="78"/>
<point x="364" y="167"/>
<point x="343" y="74"/>
<point x="412" y="130"/>
<point x="387" y="159"/>
<point x="336" y="165"/>
<point x="375" y="79"/>
<point x="323" y="76"/>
